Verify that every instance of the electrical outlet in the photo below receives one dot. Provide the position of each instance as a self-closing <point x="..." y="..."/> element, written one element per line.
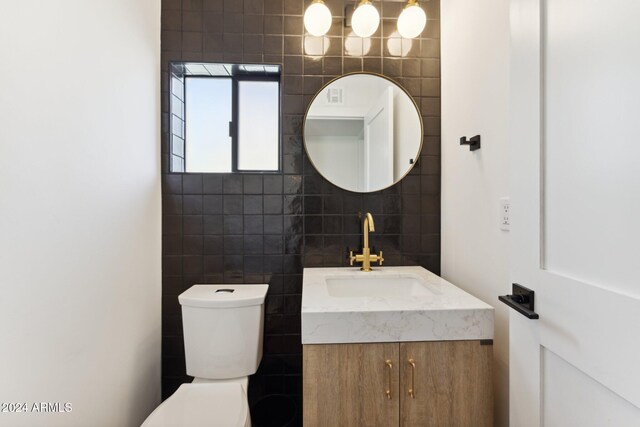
<point x="505" y="214"/>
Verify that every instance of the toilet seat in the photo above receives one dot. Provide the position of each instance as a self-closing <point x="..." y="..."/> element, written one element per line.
<point x="203" y="404"/>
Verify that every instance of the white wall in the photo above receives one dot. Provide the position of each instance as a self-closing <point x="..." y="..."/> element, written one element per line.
<point x="340" y="158"/>
<point x="80" y="210"/>
<point x="475" y="83"/>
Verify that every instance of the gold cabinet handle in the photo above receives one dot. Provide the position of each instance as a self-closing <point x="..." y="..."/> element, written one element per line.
<point x="412" y="390"/>
<point x="390" y="366"/>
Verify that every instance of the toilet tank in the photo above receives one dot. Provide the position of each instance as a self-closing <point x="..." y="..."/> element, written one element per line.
<point x="223" y="329"/>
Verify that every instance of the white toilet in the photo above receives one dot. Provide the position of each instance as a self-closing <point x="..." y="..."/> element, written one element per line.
<point x="223" y="330"/>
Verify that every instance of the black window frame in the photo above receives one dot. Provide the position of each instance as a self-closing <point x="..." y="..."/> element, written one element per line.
<point x="236" y="77"/>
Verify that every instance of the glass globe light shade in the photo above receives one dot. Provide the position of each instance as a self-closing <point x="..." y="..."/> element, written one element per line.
<point x="365" y="19"/>
<point x="317" y="18"/>
<point x="411" y="21"/>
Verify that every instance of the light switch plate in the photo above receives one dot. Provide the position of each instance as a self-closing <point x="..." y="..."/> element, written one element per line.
<point x="505" y="213"/>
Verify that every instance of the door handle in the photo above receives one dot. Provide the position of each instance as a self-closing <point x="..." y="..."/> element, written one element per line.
<point x="412" y="389"/>
<point x="522" y="300"/>
<point x="390" y="367"/>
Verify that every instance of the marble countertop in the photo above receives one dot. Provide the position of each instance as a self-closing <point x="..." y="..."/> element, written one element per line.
<point x="442" y="312"/>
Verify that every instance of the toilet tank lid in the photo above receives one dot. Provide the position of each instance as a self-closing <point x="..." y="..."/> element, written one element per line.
<point x="223" y="296"/>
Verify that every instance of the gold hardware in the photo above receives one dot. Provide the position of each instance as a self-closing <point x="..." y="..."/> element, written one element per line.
<point x="366" y="257"/>
<point x="390" y="366"/>
<point x="412" y="391"/>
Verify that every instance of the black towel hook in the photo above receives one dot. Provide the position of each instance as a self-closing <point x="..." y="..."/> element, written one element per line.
<point x="473" y="143"/>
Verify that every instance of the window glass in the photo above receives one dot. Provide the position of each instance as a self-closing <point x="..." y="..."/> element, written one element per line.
<point x="258" y="125"/>
<point x="208" y="113"/>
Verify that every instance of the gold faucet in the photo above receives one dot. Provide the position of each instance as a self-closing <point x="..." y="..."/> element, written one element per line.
<point x="365" y="257"/>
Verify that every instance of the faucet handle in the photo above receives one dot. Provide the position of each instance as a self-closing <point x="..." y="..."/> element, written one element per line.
<point x="351" y="258"/>
<point x="380" y="259"/>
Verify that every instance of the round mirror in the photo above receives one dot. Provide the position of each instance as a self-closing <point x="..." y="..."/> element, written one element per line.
<point x="363" y="132"/>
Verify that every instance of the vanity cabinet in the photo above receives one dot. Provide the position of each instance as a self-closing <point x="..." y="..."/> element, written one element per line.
<point x="347" y="384"/>
<point x="435" y="383"/>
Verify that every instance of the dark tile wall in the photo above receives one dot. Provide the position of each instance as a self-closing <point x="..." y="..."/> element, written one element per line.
<point x="224" y="228"/>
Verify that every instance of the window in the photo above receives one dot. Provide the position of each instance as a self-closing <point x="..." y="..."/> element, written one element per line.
<point x="225" y="118"/>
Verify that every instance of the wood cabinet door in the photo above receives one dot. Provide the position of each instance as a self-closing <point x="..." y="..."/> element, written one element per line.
<point x="446" y="383"/>
<point x="347" y="385"/>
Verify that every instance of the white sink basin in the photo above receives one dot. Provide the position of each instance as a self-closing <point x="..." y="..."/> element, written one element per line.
<point x="389" y="286"/>
<point x="388" y="304"/>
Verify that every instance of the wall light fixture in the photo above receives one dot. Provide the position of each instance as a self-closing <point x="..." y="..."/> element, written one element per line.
<point x="412" y="20"/>
<point x="317" y="18"/>
<point x="365" y="19"/>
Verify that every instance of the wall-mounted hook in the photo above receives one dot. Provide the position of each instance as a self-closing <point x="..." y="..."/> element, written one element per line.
<point x="473" y="143"/>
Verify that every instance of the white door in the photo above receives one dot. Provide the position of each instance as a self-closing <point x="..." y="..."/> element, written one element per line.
<point x="378" y="143"/>
<point x="575" y="226"/>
